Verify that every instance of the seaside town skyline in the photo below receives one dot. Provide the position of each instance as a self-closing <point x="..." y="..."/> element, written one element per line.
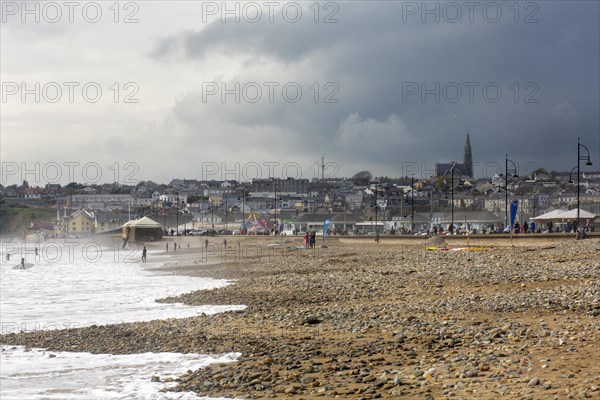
<point x="483" y="203"/>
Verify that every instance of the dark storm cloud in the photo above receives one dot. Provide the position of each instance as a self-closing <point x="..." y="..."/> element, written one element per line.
<point x="373" y="55"/>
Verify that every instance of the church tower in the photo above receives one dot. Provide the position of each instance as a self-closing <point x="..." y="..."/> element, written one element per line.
<point x="468" y="158"/>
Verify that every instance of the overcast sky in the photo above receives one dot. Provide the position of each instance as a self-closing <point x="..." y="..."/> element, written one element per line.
<point x="387" y="86"/>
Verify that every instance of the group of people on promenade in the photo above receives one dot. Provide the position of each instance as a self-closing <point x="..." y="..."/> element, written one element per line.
<point x="310" y="239"/>
<point x="525" y="228"/>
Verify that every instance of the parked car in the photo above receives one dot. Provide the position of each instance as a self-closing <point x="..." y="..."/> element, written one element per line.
<point x="209" y="232"/>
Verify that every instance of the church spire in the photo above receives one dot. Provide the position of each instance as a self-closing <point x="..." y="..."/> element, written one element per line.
<point x="468" y="157"/>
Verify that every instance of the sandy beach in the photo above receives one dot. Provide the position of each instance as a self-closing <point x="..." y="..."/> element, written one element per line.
<point x="361" y="320"/>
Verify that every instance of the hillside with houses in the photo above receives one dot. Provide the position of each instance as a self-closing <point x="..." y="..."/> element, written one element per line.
<point x="357" y="205"/>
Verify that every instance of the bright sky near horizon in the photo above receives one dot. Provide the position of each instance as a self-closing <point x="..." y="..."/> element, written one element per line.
<point x="129" y="91"/>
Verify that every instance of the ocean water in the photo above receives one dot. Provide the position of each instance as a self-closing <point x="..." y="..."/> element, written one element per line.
<point x="72" y="287"/>
<point x="39" y="374"/>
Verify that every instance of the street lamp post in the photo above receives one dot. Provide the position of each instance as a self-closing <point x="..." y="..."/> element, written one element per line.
<point x="275" y="204"/>
<point x="177" y="216"/>
<point x="226" y="213"/>
<point x="515" y="175"/>
<point x="452" y="198"/>
<point x="212" y="216"/>
<point x="402" y="205"/>
<point x="412" y="204"/>
<point x="431" y="208"/>
<point x="243" y="208"/>
<point x="452" y="192"/>
<point x="522" y="205"/>
<point x="376" y="194"/>
<point x="588" y="163"/>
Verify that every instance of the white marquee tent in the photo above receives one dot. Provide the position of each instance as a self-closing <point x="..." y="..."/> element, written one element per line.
<point x="565" y="215"/>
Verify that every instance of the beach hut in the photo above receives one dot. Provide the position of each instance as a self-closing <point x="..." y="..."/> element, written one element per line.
<point x="142" y="230"/>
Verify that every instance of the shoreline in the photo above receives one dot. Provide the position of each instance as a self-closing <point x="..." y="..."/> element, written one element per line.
<point x="361" y="320"/>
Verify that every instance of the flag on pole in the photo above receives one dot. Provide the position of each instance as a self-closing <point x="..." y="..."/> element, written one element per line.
<point x="514" y="206"/>
<point x="326" y="224"/>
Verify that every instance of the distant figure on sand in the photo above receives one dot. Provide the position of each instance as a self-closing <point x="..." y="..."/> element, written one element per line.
<point x="206" y="244"/>
<point x="144" y="254"/>
<point x="307" y="240"/>
<point x="7" y="256"/>
<point x="225" y="243"/>
<point x="22" y="263"/>
<point x="377" y="238"/>
<point x="167" y="247"/>
<point x="36" y="250"/>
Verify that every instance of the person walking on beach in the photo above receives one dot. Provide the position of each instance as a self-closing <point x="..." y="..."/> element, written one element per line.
<point x="7" y="256"/>
<point x="206" y="244"/>
<point x="22" y="263"/>
<point x="144" y="254"/>
<point x="167" y="247"/>
<point x="174" y="246"/>
<point x="377" y="238"/>
<point x="225" y="243"/>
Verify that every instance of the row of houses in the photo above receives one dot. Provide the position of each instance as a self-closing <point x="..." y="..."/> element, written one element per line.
<point x="87" y="223"/>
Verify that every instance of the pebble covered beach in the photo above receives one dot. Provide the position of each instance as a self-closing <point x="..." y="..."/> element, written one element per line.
<point x="364" y="320"/>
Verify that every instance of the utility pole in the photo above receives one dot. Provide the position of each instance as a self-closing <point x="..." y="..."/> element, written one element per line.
<point x="412" y="204"/>
<point x="376" y="230"/>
